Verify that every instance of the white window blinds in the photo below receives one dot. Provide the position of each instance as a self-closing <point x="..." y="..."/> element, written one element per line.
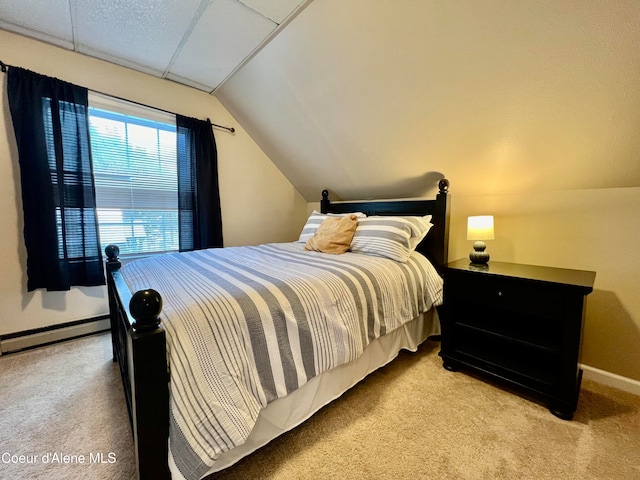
<point x="135" y="169"/>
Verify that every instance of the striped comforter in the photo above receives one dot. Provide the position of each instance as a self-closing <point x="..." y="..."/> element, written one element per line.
<point x="248" y="325"/>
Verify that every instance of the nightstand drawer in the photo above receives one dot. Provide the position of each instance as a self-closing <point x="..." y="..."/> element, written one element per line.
<point x="509" y="360"/>
<point x="518" y="328"/>
<point x="535" y="299"/>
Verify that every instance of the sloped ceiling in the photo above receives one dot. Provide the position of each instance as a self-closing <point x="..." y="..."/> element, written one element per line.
<point x="195" y="42"/>
<point x="379" y="99"/>
<point x="382" y="98"/>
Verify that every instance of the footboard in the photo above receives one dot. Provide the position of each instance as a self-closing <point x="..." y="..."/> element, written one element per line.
<point x="139" y="347"/>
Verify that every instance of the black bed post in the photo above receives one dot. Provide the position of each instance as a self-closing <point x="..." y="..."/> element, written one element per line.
<point x="150" y="390"/>
<point x="325" y="202"/>
<point x="441" y="216"/>
<point x="113" y="264"/>
<point x="139" y="347"/>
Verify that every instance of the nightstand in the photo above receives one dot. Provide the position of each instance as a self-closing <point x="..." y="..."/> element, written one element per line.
<point x="519" y="326"/>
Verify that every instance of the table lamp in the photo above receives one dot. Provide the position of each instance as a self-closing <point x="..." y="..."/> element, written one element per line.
<point x="479" y="228"/>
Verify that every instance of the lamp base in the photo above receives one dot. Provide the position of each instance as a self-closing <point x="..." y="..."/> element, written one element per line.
<point x="479" y="257"/>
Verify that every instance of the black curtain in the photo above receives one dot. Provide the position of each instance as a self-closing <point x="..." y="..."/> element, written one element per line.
<point x="50" y="119"/>
<point x="198" y="191"/>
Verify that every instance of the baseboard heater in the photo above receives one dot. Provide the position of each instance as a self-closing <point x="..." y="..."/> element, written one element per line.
<point x="14" y="342"/>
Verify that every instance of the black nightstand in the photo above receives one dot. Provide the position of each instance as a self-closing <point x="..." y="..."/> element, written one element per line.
<point x="519" y="325"/>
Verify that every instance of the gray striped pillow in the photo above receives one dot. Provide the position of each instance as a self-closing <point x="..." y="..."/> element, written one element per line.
<point x="316" y="218"/>
<point x="391" y="237"/>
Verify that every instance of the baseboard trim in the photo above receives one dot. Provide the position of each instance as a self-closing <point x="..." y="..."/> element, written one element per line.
<point x="15" y="342"/>
<point x="625" y="384"/>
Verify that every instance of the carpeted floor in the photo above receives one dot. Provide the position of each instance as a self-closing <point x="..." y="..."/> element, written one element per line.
<point x="64" y="399"/>
<point x="409" y="420"/>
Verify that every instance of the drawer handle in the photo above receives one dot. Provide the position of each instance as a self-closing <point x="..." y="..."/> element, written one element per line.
<point x="500" y="293"/>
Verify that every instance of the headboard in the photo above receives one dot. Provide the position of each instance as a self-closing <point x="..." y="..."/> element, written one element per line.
<point x="436" y="244"/>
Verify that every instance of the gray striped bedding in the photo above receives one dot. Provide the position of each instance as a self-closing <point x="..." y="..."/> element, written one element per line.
<point x="248" y="325"/>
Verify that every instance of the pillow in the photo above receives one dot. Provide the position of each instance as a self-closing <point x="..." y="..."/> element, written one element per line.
<point x="316" y="218"/>
<point x="333" y="235"/>
<point x="391" y="237"/>
<point x="420" y="227"/>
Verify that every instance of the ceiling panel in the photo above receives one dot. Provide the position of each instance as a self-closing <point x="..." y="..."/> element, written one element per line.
<point x="228" y="31"/>
<point x="47" y="20"/>
<point x="199" y="43"/>
<point x="133" y="32"/>
<point x="276" y="10"/>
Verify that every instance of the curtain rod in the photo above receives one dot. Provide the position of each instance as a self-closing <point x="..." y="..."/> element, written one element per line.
<point x="4" y="67"/>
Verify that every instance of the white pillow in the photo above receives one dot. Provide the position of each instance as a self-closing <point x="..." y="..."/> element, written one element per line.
<point x="316" y="218"/>
<point x="391" y="237"/>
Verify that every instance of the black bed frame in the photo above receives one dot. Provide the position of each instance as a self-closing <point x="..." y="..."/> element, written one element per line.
<point x="139" y="342"/>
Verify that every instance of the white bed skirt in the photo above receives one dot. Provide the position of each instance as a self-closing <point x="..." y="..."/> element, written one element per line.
<point x="288" y="412"/>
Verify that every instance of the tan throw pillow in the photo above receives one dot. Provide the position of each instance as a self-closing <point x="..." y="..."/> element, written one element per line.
<point x="334" y="235"/>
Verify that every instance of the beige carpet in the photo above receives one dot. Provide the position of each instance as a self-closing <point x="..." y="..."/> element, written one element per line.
<point x="64" y="399"/>
<point x="409" y="420"/>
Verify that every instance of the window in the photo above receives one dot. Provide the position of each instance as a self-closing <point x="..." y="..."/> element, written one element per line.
<point x="135" y="170"/>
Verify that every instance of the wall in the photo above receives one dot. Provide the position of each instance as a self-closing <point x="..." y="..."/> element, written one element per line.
<point x="370" y="99"/>
<point x="530" y="108"/>
<point x="259" y="204"/>
<point x="595" y="229"/>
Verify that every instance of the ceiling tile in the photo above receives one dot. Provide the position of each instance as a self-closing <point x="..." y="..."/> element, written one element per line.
<point x="227" y="33"/>
<point x="276" y="10"/>
<point x="47" y="20"/>
<point x="145" y="33"/>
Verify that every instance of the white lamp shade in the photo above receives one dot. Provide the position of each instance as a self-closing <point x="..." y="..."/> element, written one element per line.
<point x="480" y="227"/>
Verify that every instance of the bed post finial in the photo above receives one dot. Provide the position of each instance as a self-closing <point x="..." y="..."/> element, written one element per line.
<point x="145" y="307"/>
<point x="443" y="185"/>
<point x="324" y="204"/>
<point x="112" y="252"/>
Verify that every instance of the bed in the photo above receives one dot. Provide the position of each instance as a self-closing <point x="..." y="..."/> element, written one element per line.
<point x="309" y="360"/>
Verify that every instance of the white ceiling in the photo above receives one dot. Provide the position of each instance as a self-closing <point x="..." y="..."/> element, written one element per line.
<point x="199" y="43"/>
